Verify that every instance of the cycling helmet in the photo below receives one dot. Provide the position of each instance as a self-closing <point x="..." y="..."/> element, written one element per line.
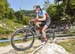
<point x="36" y="6"/>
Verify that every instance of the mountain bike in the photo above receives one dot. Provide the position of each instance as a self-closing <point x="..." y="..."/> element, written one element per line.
<point x="23" y="38"/>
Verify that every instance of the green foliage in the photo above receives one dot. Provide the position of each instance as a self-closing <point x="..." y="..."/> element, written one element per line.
<point x="69" y="45"/>
<point x="53" y="12"/>
<point x="3" y="7"/>
<point x="11" y="24"/>
<point x="19" y="18"/>
<point x="26" y="20"/>
<point x="4" y="31"/>
<point x="65" y="10"/>
<point x="23" y="16"/>
<point x="4" y="44"/>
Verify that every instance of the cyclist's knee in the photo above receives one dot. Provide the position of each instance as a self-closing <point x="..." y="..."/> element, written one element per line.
<point x="38" y="24"/>
<point x="44" y="28"/>
<point x="43" y="31"/>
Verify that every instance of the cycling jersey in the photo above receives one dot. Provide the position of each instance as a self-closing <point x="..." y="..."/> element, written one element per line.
<point x="41" y="14"/>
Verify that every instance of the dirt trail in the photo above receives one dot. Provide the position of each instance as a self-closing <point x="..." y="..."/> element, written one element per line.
<point x="9" y="50"/>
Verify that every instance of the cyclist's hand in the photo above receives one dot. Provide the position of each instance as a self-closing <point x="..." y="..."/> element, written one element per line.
<point x="35" y="20"/>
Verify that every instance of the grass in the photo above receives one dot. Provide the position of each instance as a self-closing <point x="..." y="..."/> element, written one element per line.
<point x="12" y="24"/>
<point x="8" y="27"/>
<point x="69" y="45"/>
<point x="4" y="44"/>
<point x="16" y="41"/>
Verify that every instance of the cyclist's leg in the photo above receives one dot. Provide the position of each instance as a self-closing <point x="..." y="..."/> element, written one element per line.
<point x="38" y="27"/>
<point x="38" y="24"/>
<point x="44" y="28"/>
<point x="44" y="33"/>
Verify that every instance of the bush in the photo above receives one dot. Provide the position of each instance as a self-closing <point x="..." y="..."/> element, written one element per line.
<point x="4" y="31"/>
<point x="69" y="45"/>
<point x="26" y="20"/>
<point x="11" y="24"/>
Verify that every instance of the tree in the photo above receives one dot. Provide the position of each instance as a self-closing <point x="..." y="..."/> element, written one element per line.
<point x="4" y="7"/>
<point x="46" y="4"/>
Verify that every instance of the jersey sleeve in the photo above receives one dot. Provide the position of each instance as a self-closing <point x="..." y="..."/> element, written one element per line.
<point x="44" y="12"/>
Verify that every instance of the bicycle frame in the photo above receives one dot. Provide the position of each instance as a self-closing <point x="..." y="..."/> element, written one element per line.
<point x="32" y="26"/>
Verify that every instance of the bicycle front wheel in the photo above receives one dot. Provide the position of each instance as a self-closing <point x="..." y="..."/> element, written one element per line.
<point x="22" y="39"/>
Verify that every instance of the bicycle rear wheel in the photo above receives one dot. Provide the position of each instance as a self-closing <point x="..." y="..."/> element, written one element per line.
<point x="22" y="39"/>
<point x="50" y="34"/>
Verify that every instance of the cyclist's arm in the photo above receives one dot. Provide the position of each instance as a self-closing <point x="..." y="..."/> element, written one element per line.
<point x="42" y="19"/>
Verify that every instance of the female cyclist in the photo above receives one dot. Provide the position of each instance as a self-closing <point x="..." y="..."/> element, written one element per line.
<point x="43" y="19"/>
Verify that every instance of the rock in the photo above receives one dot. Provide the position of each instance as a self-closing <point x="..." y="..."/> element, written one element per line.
<point x="52" y="49"/>
<point x="12" y="51"/>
